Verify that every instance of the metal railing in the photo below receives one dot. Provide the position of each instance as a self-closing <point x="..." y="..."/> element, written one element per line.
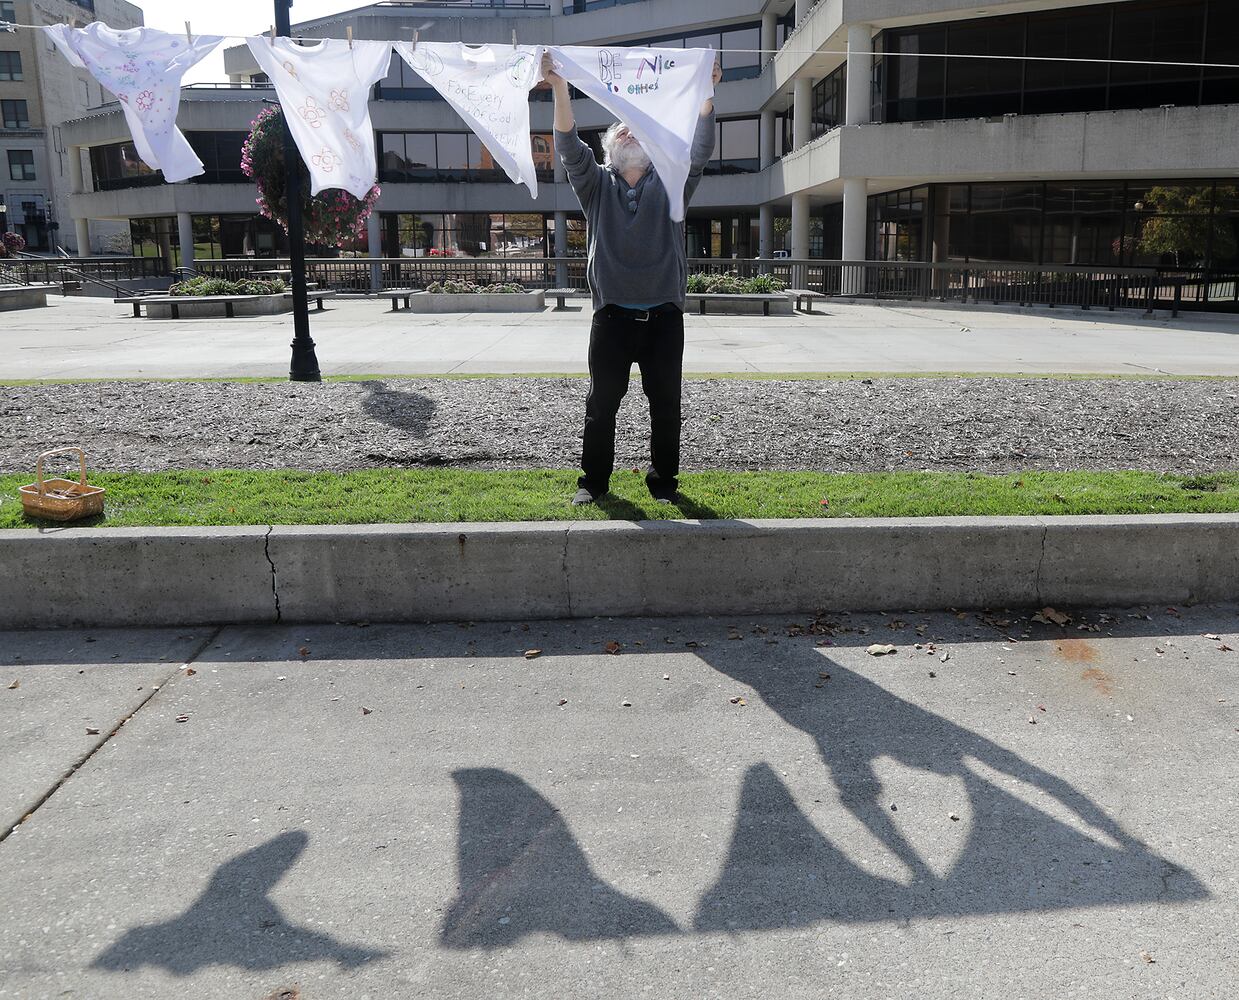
<point x="1000" y="284"/>
<point x="98" y="269"/>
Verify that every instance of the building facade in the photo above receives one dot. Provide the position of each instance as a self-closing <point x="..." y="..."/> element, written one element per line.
<point x="1025" y="131"/>
<point x="39" y="91"/>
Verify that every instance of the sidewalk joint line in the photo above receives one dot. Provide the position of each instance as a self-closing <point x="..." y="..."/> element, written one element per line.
<point x="81" y="762"/>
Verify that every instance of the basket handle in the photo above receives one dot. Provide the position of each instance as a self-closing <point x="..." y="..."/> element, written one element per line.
<point x="59" y="451"/>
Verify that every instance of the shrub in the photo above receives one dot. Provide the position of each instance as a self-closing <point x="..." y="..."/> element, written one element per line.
<point x="11" y="244"/>
<point x="454" y="286"/>
<point x="206" y="285"/>
<point x="731" y="283"/>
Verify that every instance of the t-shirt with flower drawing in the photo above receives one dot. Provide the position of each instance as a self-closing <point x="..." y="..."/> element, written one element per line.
<point x="324" y="89"/>
<point x="143" y="68"/>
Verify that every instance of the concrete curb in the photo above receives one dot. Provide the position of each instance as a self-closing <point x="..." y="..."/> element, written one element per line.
<point x="175" y="576"/>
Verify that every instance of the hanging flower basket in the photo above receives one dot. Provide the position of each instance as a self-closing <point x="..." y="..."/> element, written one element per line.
<point x="331" y="218"/>
<point x="11" y="244"/>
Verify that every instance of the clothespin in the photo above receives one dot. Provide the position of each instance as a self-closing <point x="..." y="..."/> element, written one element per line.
<point x="189" y="35"/>
<point x="273" y="36"/>
<point x="513" y="38"/>
<point x="349" y="32"/>
<point x="415" y="34"/>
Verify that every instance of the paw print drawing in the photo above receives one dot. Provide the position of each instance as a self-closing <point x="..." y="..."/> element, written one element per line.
<point x="146" y="100"/>
<point x="352" y="140"/>
<point x="312" y="113"/>
<point x="338" y="101"/>
<point x="326" y="160"/>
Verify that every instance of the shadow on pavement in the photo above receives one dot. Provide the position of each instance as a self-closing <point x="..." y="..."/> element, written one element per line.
<point x="409" y="412"/>
<point x="234" y="923"/>
<point x="521" y="871"/>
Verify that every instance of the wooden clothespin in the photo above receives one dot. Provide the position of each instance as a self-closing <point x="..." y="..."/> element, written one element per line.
<point x="415" y="34"/>
<point x="349" y="33"/>
<point x="189" y="35"/>
<point x="273" y="36"/>
<point x="513" y="38"/>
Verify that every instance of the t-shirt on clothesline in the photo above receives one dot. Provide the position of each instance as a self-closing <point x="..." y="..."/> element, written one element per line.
<point x="324" y="89"/>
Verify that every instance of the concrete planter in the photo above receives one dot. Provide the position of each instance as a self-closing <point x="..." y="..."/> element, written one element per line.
<point x="203" y="306"/>
<point x="726" y="305"/>
<point x="22" y="297"/>
<point x="440" y="302"/>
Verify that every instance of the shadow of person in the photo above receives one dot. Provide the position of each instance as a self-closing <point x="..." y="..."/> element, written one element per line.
<point x="522" y="872"/>
<point x="1063" y="852"/>
<point x="406" y="411"/>
<point x="234" y="923"/>
<point x="618" y="509"/>
<point x="694" y="509"/>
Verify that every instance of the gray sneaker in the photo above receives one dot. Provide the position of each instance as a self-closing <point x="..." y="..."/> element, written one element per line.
<point x="583" y="496"/>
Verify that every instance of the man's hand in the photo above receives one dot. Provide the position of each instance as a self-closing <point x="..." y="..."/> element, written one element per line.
<point x="549" y="74"/>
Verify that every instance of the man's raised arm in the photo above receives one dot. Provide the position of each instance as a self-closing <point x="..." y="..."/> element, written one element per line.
<point x="577" y="157"/>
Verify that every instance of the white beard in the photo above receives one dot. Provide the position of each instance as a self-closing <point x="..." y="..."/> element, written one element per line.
<point x="628" y="157"/>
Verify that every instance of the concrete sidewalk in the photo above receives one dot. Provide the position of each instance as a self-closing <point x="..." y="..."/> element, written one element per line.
<point x="92" y="338"/>
<point x="731" y="807"/>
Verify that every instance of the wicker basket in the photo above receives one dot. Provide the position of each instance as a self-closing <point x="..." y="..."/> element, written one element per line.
<point x="62" y="499"/>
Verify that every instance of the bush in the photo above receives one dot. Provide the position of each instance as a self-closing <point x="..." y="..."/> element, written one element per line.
<point x="731" y="283"/>
<point x="453" y="286"/>
<point x="205" y="285"/>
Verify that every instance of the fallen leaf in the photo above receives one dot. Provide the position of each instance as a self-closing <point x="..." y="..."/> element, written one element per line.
<point x="1148" y="959"/>
<point x="613" y="647"/>
<point x="190" y="671"/>
<point x="945" y="656"/>
<point x="304" y="650"/>
<point x="1225" y="648"/>
<point x="738" y="701"/>
<point x="932" y="674"/>
<point x="15" y="685"/>
<point x="824" y="676"/>
<point x="531" y="653"/>
<point x="366" y="711"/>
<point x="563" y="701"/>
<point x="880" y="649"/>
<point x="825" y="503"/>
<point x="1215" y="638"/>
<point x="1032" y="721"/>
<point x="1040" y="708"/>
<point x="626" y="703"/>
<point x="182" y="718"/>
<point x="91" y="732"/>
<point x="1048" y="615"/>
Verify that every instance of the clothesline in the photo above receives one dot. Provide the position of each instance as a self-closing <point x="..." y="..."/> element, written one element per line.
<point x="6" y="25"/>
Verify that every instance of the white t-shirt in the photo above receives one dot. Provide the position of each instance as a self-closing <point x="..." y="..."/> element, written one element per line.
<point x="143" y="68"/>
<point x="324" y="89"/>
<point x="657" y="93"/>
<point x="489" y="86"/>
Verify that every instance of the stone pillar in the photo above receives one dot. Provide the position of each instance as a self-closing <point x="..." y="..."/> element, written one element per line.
<point x="860" y="75"/>
<point x="164" y="241"/>
<point x="561" y="249"/>
<point x="77" y="184"/>
<point x="765" y="228"/>
<point x="769" y="36"/>
<point x="800" y="226"/>
<point x="855" y="232"/>
<point x="185" y="236"/>
<point x="802" y="111"/>
<point x="374" y="247"/>
<point x="82" y="227"/>
<point x="766" y="141"/>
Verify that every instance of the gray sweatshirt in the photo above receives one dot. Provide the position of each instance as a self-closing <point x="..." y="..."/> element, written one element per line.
<point x="634" y="258"/>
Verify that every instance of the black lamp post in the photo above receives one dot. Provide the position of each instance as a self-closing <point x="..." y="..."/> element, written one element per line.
<point x="304" y="366"/>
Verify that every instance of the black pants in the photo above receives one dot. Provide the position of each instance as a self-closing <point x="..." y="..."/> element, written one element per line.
<point x="655" y="341"/>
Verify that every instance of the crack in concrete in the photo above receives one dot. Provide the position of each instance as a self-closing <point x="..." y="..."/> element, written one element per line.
<point x="566" y="573"/>
<point x="81" y="762"/>
<point x="1045" y="531"/>
<point x="275" y="588"/>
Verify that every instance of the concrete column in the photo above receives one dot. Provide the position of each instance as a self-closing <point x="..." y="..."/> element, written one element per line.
<point x="561" y="249"/>
<point x="765" y="229"/>
<point x="374" y="247"/>
<point x="800" y="226"/>
<point x="82" y="227"/>
<point x="802" y="8"/>
<point x="766" y="140"/>
<point x="165" y="250"/>
<point x="860" y="75"/>
<point x="769" y="34"/>
<point x="802" y="110"/>
<point x="76" y="183"/>
<point x="185" y="236"/>
<point x="855" y="227"/>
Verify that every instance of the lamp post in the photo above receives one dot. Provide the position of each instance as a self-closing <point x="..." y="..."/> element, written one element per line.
<point x="304" y="365"/>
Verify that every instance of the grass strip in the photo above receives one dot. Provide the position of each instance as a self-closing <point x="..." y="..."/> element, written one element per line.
<point x="396" y="496"/>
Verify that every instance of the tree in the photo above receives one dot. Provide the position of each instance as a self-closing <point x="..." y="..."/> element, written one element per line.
<point x="1184" y="226"/>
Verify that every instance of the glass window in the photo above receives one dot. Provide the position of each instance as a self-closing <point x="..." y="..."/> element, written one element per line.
<point x="420" y="162"/>
<point x="10" y="65"/>
<point x="914" y="86"/>
<point x="1170" y="32"/>
<point x="738" y="146"/>
<point x="1222" y="46"/>
<point x="976" y="88"/>
<point x="15" y="114"/>
<point x="739" y="64"/>
<point x="1059" y="87"/>
<point x="21" y="165"/>
<point x="453" y="149"/>
<point x="6" y="11"/>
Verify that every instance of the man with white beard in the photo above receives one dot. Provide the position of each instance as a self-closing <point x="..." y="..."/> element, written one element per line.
<point x="637" y="276"/>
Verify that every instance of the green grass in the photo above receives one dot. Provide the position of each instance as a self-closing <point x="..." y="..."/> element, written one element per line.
<point x="401" y="496"/>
